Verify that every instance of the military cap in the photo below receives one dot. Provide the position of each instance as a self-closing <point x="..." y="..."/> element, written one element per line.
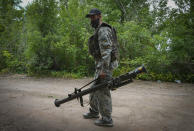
<point x="93" y="11"/>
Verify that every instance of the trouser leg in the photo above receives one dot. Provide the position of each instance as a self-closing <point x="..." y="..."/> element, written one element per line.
<point x="101" y="101"/>
<point x="93" y="101"/>
<point x="104" y="103"/>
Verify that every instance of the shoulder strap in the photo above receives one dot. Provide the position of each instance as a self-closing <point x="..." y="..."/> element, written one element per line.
<point x="103" y="25"/>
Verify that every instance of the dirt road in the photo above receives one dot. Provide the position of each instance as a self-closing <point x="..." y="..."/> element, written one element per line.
<point x="26" y="104"/>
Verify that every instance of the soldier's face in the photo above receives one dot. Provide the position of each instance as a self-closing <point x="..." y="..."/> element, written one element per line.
<point x="95" y="20"/>
<point x="94" y="17"/>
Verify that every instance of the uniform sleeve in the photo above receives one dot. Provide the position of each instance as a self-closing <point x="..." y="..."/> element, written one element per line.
<point x="105" y="44"/>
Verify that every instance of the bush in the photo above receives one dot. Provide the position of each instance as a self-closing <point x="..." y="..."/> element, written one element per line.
<point x="12" y="64"/>
<point x="64" y="74"/>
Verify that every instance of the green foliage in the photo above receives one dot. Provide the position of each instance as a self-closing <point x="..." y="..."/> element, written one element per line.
<point x="167" y="77"/>
<point x="134" y="40"/>
<point x="39" y="53"/>
<point x="41" y="23"/>
<point x="10" y="27"/>
<point x="64" y="74"/>
<point x="12" y="64"/>
<point x="49" y="37"/>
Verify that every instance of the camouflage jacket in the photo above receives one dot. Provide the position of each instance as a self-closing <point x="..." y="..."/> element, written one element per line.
<point x="100" y="48"/>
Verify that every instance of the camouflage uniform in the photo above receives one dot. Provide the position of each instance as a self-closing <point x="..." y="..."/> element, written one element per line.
<point x="100" y="101"/>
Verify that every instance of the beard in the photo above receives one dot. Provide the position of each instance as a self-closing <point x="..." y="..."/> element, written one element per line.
<point x="95" y="23"/>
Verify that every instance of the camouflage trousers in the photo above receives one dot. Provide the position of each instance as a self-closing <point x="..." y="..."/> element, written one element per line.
<point x="101" y="102"/>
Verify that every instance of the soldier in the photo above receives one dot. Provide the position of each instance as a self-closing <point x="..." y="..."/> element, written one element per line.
<point x="101" y="48"/>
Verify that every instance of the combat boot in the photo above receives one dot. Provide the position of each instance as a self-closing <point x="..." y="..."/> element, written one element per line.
<point x="104" y="122"/>
<point x="91" y="114"/>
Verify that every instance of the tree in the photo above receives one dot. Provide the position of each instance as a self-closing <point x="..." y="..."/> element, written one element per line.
<point x="181" y="32"/>
<point x="10" y="28"/>
<point x="41" y="24"/>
